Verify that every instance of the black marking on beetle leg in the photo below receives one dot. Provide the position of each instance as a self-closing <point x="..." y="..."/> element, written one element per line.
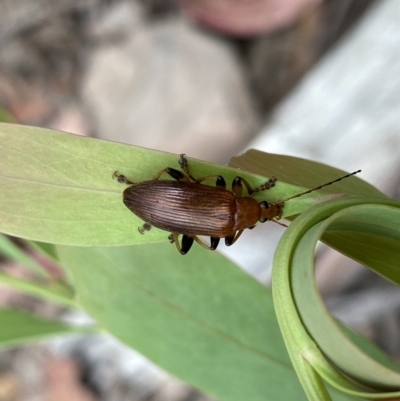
<point x="187" y="243"/>
<point x="176" y="174"/>
<point x="229" y="240"/>
<point x="214" y="241"/>
<point x="233" y="238"/>
<point x="220" y="182"/>
<point x="237" y="187"/>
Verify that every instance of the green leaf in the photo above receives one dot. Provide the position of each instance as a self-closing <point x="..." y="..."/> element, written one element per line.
<point x="48" y="250"/>
<point x="57" y="188"/>
<point x="53" y="291"/>
<point x="302" y="172"/>
<point x="371" y="235"/>
<point x="5" y="116"/>
<point x="12" y="252"/>
<point x="197" y="316"/>
<point x="19" y="328"/>
<point x="307" y="327"/>
<point x="44" y="288"/>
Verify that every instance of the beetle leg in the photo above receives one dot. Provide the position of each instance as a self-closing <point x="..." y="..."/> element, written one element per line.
<point x="269" y="184"/>
<point x="174" y="239"/>
<point x="214" y="241"/>
<point x="176" y="174"/>
<point x="184" y="166"/>
<point x="237" y="187"/>
<point x="159" y="174"/>
<point x="219" y="183"/>
<point x="187" y="242"/>
<point x="213" y="245"/>
<point x="233" y="238"/>
<point x="145" y="227"/>
<point x="121" y="178"/>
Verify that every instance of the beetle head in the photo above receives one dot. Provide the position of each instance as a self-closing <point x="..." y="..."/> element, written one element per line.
<point x="269" y="212"/>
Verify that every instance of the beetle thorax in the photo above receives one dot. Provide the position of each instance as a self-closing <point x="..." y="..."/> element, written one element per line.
<point x="247" y="213"/>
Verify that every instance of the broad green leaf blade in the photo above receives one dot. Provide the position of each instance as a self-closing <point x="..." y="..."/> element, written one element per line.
<point x="301" y="312"/>
<point x="197" y="316"/>
<point x="18" y="328"/>
<point x="57" y="188"/>
<point x="302" y="172"/>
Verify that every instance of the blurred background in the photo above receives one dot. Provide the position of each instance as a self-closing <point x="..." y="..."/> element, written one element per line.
<point x="318" y="79"/>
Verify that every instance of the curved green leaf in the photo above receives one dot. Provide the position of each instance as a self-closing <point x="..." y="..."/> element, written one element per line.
<point x="306" y="325"/>
<point x="370" y="235"/>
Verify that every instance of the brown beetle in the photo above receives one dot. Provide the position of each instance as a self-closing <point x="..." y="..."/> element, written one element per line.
<point x="187" y="207"/>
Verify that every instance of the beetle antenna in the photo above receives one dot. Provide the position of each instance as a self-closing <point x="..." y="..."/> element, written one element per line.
<point x="321" y="186"/>
<point x="278" y="222"/>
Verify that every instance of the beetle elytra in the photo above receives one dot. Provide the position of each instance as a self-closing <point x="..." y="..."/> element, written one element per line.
<point x="187" y="207"/>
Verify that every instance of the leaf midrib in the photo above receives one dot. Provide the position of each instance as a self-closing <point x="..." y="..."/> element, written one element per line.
<point x="32" y="181"/>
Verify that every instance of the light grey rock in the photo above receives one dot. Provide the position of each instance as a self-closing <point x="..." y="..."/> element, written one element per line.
<point x="171" y="87"/>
